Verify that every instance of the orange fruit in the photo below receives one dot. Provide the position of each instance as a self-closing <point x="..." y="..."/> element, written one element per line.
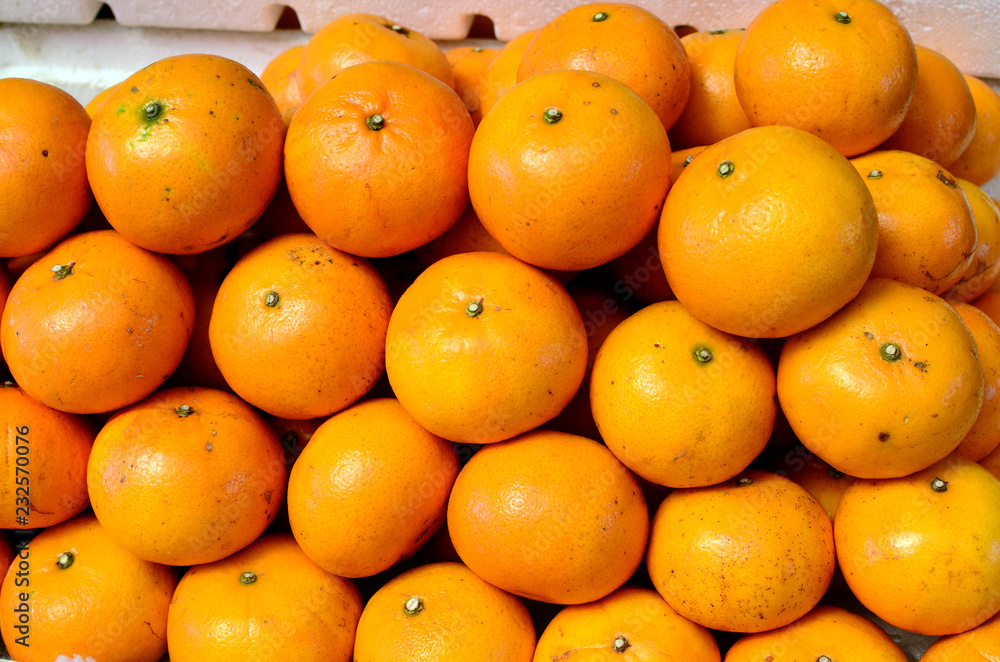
<point x="468" y="66"/>
<point x="501" y="74"/>
<point x="713" y="111"/>
<point x="980" y="162"/>
<point x="630" y="619"/>
<point x="887" y="386"/>
<point x="750" y="554"/>
<point x="816" y="476"/>
<point x="98" y="100"/>
<point x="927" y="233"/>
<point x="466" y="235"/>
<point x="185" y="154"/>
<point x="985" y="265"/>
<point x="44" y="462"/>
<point x="569" y="170"/>
<point x="44" y="192"/>
<point x="980" y="644"/>
<point x="358" y="38"/>
<point x="268" y="601"/>
<point x="680" y="403"/>
<point x="942" y="116"/>
<point x="920" y="551"/>
<point x="375" y="159"/>
<point x="620" y="40"/>
<point x="549" y="516"/>
<point x="443" y="611"/>
<point x="777" y="203"/>
<point x="844" y="70"/>
<point x="187" y="476"/>
<point x="293" y="434"/>
<point x="984" y="436"/>
<point x="466" y="342"/>
<point x="96" y="324"/>
<point x="370" y="488"/>
<point x="318" y="313"/>
<point x="281" y="78"/>
<point x="73" y="589"/>
<point x="827" y="632"/>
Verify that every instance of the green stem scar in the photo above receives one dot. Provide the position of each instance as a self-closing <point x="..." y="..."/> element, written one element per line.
<point x="65" y="560"/>
<point x="726" y="168"/>
<point x="552" y="115"/>
<point x="703" y="355"/>
<point x="824" y="658"/>
<point x="248" y="577"/>
<point x="600" y="16"/>
<point x="375" y="122"/>
<point x="474" y="309"/>
<point x="152" y="110"/>
<point x="271" y="299"/>
<point x="620" y="644"/>
<point x="842" y="17"/>
<point x="875" y="174"/>
<point x="60" y="271"/>
<point x="891" y="352"/>
<point x="744" y="481"/>
<point x="184" y="410"/>
<point x="413" y="606"/>
<point x="939" y="485"/>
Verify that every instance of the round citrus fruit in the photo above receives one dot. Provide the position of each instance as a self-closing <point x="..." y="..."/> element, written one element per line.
<point x="980" y="162"/>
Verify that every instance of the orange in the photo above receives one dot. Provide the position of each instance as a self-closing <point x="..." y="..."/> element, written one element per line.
<point x="921" y="551"/>
<point x="844" y="70"/>
<point x="980" y="161"/>
<point x="887" y="386"/>
<point x="468" y="66"/>
<point x="185" y="154"/>
<point x="569" y="170"/>
<point x="818" y="478"/>
<point x="370" y="488"/>
<point x="501" y="74"/>
<point x="439" y="612"/>
<point x="482" y="347"/>
<point x="680" y="403"/>
<point x="375" y="159"/>
<point x="73" y="589"/>
<point x="281" y="78"/>
<point x="96" y="324"/>
<point x="942" y="116"/>
<point x="980" y="644"/>
<point x="750" y="554"/>
<point x="633" y="620"/>
<point x="825" y="633"/>
<point x="293" y="434"/>
<point x="467" y="235"/>
<point x="984" y="436"/>
<point x="927" y="233"/>
<point x="621" y="40"/>
<point x="982" y="271"/>
<point x="549" y="516"/>
<point x="713" y="111"/>
<point x="44" y="462"/>
<point x="44" y="192"/>
<point x="357" y="38"/>
<point x="268" y="601"/>
<point x="98" y="100"/>
<point x="777" y="203"/>
<point x="187" y="476"/>
<point x="315" y="315"/>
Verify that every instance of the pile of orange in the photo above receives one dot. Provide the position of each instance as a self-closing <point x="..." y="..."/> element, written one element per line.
<point x="605" y="344"/>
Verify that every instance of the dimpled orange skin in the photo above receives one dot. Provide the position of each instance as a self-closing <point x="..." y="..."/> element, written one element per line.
<point x="44" y="191"/>
<point x="713" y="111"/>
<point x="373" y="191"/>
<point x="742" y="557"/>
<point x="792" y="212"/>
<point x="460" y="617"/>
<point x="45" y="455"/>
<point x="578" y="192"/>
<point x="927" y="233"/>
<point x="324" y="335"/>
<point x="108" y="604"/>
<point x="848" y="81"/>
<point x="980" y="162"/>
<point x="630" y="44"/>
<point x="816" y="476"/>
<point x="353" y="39"/>
<point x="636" y="620"/>
<point x="293" y="610"/>
<point x="984" y="436"/>
<point x="183" y="489"/>
<point x="98" y="100"/>
<point x="281" y="78"/>
<point x="980" y="644"/>
<point x="920" y="558"/>
<point x="549" y="516"/>
<point x="674" y="417"/>
<point x="369" y="489"/>
<point x="493" y="374"/>
<point x="468" y="65"/>
<point x="104" y="336"/>
<point x="827" y="631"/>
<point x="501" y="74"/>
<point x="984" y="268"/>
<point x="871" y="415"/>
<point x="185" y="154"/>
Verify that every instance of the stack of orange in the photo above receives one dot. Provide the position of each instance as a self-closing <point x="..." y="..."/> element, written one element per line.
<point x="605" y="340"/>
